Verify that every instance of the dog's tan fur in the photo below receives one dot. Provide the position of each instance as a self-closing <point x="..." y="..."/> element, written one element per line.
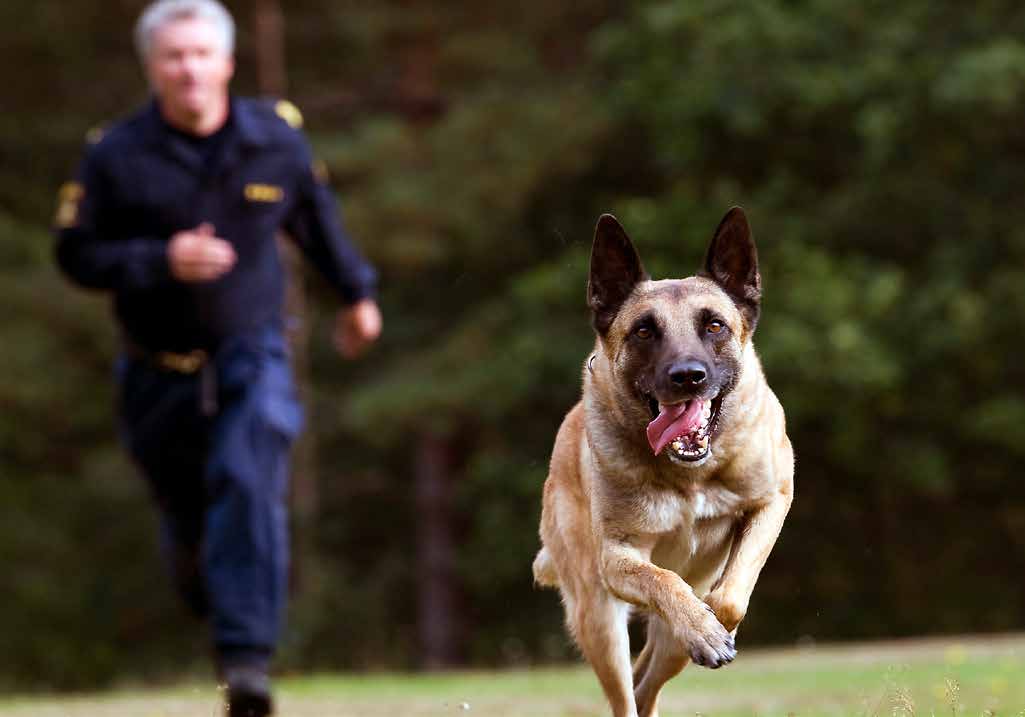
<point x="622" y="528"/>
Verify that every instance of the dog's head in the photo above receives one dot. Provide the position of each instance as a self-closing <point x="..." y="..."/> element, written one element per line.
<point x="675" y="346"/>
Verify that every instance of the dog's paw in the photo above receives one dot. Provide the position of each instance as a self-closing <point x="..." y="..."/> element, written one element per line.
<point x="709" y="644"/>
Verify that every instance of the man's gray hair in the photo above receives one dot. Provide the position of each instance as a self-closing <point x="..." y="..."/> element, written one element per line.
<point x="159" y="13"/>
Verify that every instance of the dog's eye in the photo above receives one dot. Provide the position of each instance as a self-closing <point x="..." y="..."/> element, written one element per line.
<point x="643" y="332"/>
<point x="714" y="327"/>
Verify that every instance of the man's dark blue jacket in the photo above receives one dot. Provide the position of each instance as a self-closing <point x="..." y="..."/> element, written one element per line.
<point x="144" y="181"/>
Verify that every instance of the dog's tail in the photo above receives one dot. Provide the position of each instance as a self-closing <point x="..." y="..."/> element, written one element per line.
<point x="544" y="571"/>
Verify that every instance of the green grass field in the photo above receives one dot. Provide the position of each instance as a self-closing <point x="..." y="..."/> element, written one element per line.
<point x="953" y="676"/>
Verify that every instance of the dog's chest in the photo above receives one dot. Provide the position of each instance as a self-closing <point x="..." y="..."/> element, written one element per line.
<point x="667" y="511"/>
<point x="699" y="539"/>
<point x="712" y="500"/>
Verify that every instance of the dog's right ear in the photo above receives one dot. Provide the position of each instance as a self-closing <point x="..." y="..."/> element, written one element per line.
<point x="615" y="271"/>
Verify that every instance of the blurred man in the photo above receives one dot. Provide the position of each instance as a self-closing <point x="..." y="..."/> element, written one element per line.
<point x="175" y="212"/>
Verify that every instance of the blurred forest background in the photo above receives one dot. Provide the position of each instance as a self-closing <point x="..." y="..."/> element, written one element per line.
<point x="879" y="149"/>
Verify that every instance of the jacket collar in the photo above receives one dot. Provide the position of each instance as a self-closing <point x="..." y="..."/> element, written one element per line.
<point x="246" y="131"/>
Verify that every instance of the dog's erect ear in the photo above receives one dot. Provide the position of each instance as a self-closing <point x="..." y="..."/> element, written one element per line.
<point x="732" y="263"/>
<point x="615" y="271"/>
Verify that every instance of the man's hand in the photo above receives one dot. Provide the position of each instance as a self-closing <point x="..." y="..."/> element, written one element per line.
<point x="356" y="327"/>
<point x="198" y="255"/>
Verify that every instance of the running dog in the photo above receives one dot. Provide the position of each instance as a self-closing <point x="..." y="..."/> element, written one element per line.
<point x="670" y="480"/>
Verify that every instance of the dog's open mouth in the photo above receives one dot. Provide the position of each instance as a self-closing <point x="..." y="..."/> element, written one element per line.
<point x="685" y="427"/>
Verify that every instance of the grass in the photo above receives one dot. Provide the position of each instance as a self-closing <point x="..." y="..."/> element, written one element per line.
<point x="978" y="676"/>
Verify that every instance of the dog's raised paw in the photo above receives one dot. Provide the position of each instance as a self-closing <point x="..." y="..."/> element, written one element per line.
<point x="711" y="646"/>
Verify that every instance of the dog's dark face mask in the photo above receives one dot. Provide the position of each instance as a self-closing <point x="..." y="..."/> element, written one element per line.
<point x="677" y="344"/>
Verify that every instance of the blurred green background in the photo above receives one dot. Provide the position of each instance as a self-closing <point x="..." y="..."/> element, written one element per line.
<point x="878" y="149"/>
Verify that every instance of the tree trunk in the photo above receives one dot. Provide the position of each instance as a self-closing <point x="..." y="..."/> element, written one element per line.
<point x="417" y="98"/>
<point x="269" y="55"/>
<point x="437" y="624"/>
<point x="269" y="39"/>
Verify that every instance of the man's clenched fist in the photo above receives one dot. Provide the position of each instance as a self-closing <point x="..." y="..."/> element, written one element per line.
<point x="198" y="255"/>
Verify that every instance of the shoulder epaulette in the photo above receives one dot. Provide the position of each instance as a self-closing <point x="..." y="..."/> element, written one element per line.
<point x="289" y="113"/>
<point x="95" y="134"/>
<point x="68" y="198"/>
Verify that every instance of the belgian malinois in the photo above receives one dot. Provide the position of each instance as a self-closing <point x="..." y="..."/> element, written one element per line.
<point x="670" y="480"/>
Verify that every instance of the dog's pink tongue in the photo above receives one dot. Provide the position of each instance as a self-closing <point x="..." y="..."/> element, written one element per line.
<point x="673" y="421"/>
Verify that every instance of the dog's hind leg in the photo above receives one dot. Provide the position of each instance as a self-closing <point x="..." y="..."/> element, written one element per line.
<point x="644" y="658"/>
<point x="663" y="658"/>
<point x="599" y="623"/>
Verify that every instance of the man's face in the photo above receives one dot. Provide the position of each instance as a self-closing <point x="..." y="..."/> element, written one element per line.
<point x="188" y="67"/>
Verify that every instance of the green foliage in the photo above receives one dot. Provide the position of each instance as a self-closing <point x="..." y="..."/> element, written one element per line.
<point x="876" y="164"/>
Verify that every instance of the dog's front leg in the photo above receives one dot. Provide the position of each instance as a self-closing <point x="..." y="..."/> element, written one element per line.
<point x="631" y="577"/>
<point x="752" y="544"/>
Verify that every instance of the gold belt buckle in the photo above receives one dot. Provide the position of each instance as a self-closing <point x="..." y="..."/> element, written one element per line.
<point x="182" y="363"/>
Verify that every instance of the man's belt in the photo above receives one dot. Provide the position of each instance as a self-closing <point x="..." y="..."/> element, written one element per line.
<point x="181" y="363"/>
<point x="190" y="363"/>
<point x="184" y="363"/>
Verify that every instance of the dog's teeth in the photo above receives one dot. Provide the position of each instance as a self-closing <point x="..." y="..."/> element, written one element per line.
<point x="703" y="441"/>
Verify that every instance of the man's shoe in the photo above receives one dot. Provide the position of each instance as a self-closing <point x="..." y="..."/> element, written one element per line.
<point x="248" y="692"/>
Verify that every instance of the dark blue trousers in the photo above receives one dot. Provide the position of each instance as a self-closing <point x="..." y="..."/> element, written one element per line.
<point x="220" y="479"/>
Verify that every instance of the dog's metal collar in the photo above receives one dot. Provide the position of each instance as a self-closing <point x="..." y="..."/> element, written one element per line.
<point x="590" y="363"/>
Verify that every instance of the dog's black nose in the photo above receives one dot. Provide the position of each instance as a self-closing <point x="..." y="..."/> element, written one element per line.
<point x="688" y="374"/>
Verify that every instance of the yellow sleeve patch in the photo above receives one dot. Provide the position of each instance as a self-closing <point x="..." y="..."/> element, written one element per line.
<point x="290" y="113"/>
<point x="68" y="198"/>
<point x="256" y="192"/>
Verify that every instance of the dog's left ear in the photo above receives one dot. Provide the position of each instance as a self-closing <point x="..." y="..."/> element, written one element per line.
<point x="732" y="263"/>
<point x="615" y="270"/>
